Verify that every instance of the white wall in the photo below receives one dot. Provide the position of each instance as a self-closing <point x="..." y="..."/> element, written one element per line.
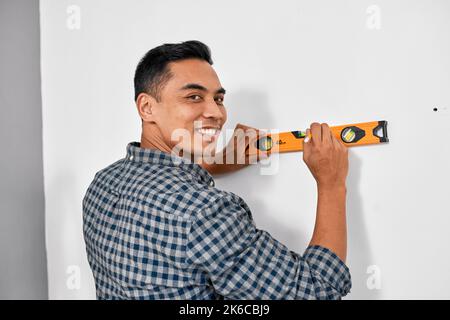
<point x="284" y="64"/>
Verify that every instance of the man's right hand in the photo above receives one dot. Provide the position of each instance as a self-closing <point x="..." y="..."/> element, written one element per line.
<point x="327" y="159"/>
<point x="325" y="156"/>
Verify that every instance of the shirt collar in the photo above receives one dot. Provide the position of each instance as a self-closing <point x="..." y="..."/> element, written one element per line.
<point x="155" y="156"/>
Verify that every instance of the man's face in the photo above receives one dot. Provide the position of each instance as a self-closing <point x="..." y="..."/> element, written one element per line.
<point x="191" y="104"/>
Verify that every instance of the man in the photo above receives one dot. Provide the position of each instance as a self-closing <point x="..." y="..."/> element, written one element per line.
<point x="156" y="227"/>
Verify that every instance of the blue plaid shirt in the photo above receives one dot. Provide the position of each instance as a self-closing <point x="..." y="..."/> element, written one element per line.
<point x="156" y="228"/>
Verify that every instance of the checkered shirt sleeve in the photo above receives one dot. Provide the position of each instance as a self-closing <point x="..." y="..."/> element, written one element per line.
<point x="244" y="262"/>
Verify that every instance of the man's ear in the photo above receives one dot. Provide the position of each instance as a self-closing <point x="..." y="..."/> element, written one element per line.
<point x="145" y="104"/>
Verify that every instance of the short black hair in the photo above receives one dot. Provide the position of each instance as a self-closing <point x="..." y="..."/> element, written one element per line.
<point x="152" y="72"/>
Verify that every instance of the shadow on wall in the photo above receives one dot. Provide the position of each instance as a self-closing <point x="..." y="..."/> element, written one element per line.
<point x="285" y="234"/>
<point x="359" y="250"/>
<point x="249" y="107"/>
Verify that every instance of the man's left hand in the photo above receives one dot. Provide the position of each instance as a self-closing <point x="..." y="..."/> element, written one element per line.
<point x="240" y="151"/>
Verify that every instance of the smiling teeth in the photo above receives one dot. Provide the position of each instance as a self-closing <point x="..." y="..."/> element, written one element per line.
<point x="209" y="132"/>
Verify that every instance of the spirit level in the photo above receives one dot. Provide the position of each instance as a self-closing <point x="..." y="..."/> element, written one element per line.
<point x="351" y="134"/>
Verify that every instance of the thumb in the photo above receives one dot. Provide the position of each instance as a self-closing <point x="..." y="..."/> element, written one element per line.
<point x="307" y="138"/>
<point x="306" y="144"/>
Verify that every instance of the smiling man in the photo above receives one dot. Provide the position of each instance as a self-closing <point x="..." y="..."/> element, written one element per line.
<point x="155" y="225"/>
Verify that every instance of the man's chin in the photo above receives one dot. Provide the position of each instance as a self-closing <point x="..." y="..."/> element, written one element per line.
<point x="208" y="149"/>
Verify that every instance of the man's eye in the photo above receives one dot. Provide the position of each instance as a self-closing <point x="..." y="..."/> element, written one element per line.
<point x="219" y="100"/>
<point x="195" y="97"/>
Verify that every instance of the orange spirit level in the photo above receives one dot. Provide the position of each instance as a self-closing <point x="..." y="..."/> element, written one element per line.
<point x="351" y="134"/>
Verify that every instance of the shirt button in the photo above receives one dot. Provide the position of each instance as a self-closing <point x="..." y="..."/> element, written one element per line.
<point x="131" y="157"/>
<point x="211" y="183"/>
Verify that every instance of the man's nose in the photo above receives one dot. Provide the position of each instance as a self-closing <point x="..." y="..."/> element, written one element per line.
<point x="212" y="110"/>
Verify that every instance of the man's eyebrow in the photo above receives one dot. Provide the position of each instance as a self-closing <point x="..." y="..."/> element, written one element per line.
<point x="200" y="87"/>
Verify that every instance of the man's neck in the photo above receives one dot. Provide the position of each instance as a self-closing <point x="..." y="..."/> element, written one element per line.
<point x="151" y="138"/>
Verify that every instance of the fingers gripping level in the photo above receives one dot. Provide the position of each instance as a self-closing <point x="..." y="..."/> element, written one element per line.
<point x="352" y="135"/>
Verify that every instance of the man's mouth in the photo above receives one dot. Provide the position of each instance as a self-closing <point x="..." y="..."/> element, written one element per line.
<point x="209" y="134"/>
